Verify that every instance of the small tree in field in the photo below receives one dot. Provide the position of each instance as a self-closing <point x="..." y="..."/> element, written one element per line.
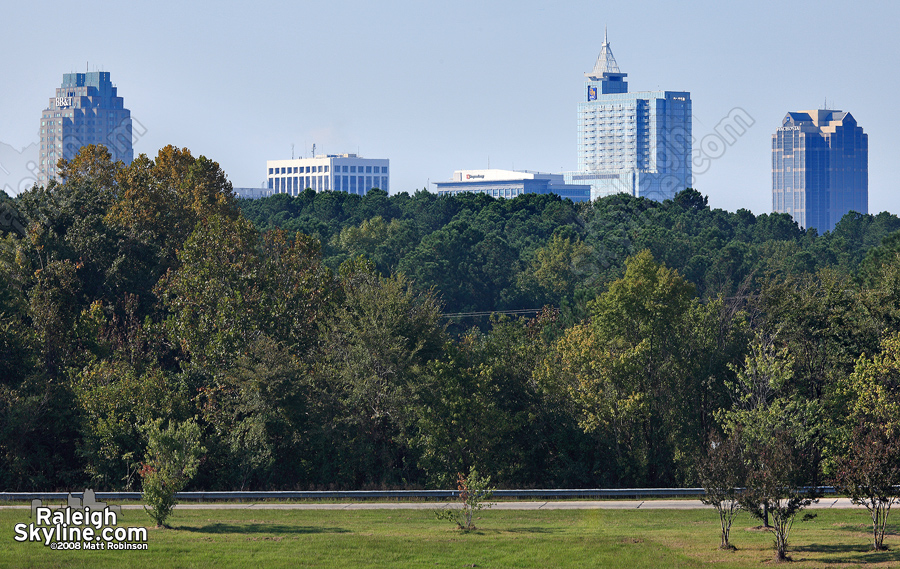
<point x="867" y="463"/>
<point x="722" y="474"/>
<point x="473" y="492"/>
<point x="869" y="475"/>
<point x="172" y="458"/>
<point x="776" y="487"/>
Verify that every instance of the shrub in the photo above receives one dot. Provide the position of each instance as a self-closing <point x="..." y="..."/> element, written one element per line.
<point x="172" y="458"/>
<point x="722" y="473"/>
<point x="473" y="493"/>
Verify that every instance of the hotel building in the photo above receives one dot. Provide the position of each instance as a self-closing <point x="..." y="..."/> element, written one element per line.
<point x="637" y="143"/>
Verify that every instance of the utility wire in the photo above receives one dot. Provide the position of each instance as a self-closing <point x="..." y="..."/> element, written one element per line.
<point x="490" y="312"/>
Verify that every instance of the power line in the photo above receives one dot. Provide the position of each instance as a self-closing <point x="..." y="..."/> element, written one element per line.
<point x="490" y="312"/>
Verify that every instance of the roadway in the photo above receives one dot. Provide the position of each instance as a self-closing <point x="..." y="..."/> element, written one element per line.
<point x="512" y="505"/>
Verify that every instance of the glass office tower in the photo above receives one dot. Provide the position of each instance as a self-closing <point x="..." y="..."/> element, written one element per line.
<point x="637" y="143"/>
<point x="86" y="110"/>
<point x="820" y="165"/>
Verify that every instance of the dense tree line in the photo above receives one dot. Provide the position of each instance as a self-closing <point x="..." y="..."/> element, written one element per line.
<point x="308" y="336"/>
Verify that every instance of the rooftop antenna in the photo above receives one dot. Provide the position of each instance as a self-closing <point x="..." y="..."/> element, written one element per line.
<point x="314" y="150"/>
<point x="292" y="151"/>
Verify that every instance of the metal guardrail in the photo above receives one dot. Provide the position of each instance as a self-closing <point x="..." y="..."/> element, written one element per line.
<point x="386" y="494"/>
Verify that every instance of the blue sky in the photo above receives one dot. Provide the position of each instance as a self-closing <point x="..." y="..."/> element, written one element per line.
<point x="437" y="87"/>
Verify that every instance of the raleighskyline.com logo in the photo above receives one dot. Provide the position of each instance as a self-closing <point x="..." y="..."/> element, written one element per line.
<point x="81" y="525"/>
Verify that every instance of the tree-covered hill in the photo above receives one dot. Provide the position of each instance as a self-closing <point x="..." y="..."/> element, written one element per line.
<point x="309" y="337"/>
<point x="480" y="253"/>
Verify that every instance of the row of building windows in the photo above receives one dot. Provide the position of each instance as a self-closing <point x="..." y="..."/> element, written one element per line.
<point x="500" y="193"/>
<point x="352" y="184"/>
<point x="788" y="200"/>
<point x="337" y="168"/>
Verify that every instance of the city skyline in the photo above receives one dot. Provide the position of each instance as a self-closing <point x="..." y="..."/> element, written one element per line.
<point x="437" y="88"/>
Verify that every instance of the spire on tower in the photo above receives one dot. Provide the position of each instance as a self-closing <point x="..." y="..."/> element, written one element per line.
<point x="606" y="62"/>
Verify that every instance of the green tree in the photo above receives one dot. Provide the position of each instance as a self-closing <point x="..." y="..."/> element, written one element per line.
<point x="870" y="473"/>
<point x="556" y="270"/>
<point x="865" y="450"/>
<point x="244" y="314"/>
<point x="722" y="474"/>
<point x="381" y="335"/>
<point x="161" y="201"/>
<point x="470" y="269"/>
<point x="383" y="242"/>
<point x="778" y="485"/>
<point x="258" y="412"/>
<point x="171" y="460"/>
<point x="212" y="296"/>
<point x="781" y="433"/>
<point x="626" y="370"/>
<point x="473" y="492"/>
<point x="480" y="404"/>
<point x="114" y="399"/>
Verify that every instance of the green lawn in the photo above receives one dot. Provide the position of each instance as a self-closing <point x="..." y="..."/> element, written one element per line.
<point x="414" y="538"/>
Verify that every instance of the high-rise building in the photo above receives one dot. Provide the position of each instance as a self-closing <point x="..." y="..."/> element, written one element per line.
<point x="820" y="168"/>
<point x="339" y="172"/>
<point x="86" y="110"/>
<point x="512" y="183"/>
<point x="637" y="143"/>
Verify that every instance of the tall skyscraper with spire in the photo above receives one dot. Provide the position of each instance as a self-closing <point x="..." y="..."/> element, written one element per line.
<point x="820" y="168"/>
<point x="637" y="143"/>
<point x="86" y="110"/>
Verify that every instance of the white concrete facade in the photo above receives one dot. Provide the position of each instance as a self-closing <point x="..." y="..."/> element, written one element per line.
<point x="328" y="172"/>
<point x="512" y="183"/>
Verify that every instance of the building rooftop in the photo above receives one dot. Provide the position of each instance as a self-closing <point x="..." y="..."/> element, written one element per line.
<point x="823" y="119"/>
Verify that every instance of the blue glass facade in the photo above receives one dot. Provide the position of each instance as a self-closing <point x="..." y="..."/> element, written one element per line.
<point x="819" y="168"/>
<point x="638" y="143"/>
<point x="86" y="110"/>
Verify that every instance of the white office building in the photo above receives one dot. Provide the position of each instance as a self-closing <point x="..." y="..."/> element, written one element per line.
<point x="512" y="183"/>
<point x="332" y="172"/>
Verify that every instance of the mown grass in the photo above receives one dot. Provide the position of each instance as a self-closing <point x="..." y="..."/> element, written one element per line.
<point x="414" y="538"/>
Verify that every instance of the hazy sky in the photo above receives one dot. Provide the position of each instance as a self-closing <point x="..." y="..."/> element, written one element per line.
<point x="437" y="87"/>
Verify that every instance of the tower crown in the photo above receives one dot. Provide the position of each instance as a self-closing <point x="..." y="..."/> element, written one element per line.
<point x="606" y="65"/>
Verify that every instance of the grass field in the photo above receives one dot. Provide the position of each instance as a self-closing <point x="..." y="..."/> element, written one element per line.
<point x="414" y="538"/>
